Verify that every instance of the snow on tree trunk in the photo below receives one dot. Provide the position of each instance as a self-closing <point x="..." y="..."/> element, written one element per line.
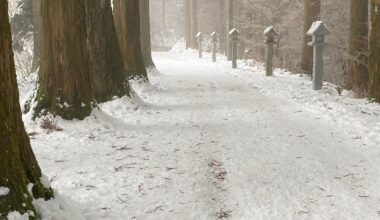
<point x="18" y="165"/>
<point x="64" y="87"/>
<point x="127" y="22"/>
<point x="145" y="33"/>
<point x="108" y="77"/>
<point x="312" y="9"/>
<point x="357" y="77"/>
<point x="374" y="53"/>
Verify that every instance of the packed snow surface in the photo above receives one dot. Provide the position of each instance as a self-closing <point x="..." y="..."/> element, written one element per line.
<point x="208" y="142"/>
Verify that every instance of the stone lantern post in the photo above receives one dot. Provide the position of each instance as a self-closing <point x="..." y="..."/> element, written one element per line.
<point x="271" y="33"/>
<point x="234" y="38"/>
<point x="200" y="39"/>
<point x="214" y="39"/>
<point x="318" y="31"/>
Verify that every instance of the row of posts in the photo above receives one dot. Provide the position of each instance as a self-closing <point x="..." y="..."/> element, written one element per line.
<point x="317" y="31"/>
<point x="234" y="38"/>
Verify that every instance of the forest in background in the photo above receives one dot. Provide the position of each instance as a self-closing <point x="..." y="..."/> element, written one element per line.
<point x="251" y="17"/>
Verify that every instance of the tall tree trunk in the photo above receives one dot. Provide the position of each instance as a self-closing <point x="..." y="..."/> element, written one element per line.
<point x="187" y="23"/>
<point x="108" y="77"/>
<point x="374" y="53"/>
<point x="64" y="79"/>
<point x="194" y="23"/>
<point x="163" y="16"/>
<point x="36" y="34"/>
<point x="312" y="10"/>
<point x="145" y="33"/>
<point x="222" y="26"/>
<point x="127" y="22"/>
<point x="357" y="78"/>
<point x="18" y="165"/>
<point x="230" y="26"/>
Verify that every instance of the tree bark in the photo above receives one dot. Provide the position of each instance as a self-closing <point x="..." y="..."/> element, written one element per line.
<point x="64" y="79"/>
<point x="230" y="25"/>
<point x="222" y="26"/>
<point x="374" y="53"/>
<point x="145" y="33"/>
<point x="357" y="77"/>
<point x="194" y="23"/>
<point x="187" y="23"/>
<point x="108" y="77"/>
<point x="127" y="22"/>
<point x="163" y="15"/>
<point x="312" y="9"/>
<point x="18" y="165"/>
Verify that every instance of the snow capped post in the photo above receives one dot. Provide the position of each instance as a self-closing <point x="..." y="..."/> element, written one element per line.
<point x="200" y="38"/>
<point x="318" y="30"/>
<point x="270" y="32"/>
<point x="234" y="38"/>
<point x="214" y="39"/>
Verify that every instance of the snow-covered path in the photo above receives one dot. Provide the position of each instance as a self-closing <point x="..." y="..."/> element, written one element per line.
<point x="208" y="145"/>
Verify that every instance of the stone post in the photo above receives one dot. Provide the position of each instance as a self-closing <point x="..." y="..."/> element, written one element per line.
<point x="318" y="30"/>
<point x="214" y="39"/>
<point x="234" y="38"/>
<point x="200" y="39"/>
<point x="270" y="33"/>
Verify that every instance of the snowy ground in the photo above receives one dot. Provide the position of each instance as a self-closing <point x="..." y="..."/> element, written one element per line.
<point x="207" y="142"/>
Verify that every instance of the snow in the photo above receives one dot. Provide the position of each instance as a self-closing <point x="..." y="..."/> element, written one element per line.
<point x="318" y="27"/>
<point x="60" y="208"/>
<point x="17" y="216"/>
<point x="45" y="181"/>
<point x="234" y="30"/>
<point x="268" y="29"/>
<point x="3" y="191"/>
<point x="12" y="7"/>
<point x="203" y="141"/>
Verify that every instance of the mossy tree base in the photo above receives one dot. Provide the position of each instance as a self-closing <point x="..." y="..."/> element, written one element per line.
<point x="64" y="77"/>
